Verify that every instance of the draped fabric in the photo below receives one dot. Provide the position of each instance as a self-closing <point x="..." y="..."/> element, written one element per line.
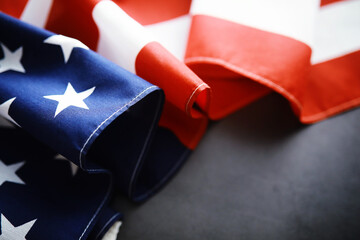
<point x="129" y="115"/>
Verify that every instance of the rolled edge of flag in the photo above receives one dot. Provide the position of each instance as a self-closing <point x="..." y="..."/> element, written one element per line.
<point x="128" y="44"/>
<point x="126" y="108"/>
<point x="182" y="87"/>
<point x="122" y="143"/>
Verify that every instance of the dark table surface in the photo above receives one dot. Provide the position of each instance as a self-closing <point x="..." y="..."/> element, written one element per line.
<point x="260" y="174"/>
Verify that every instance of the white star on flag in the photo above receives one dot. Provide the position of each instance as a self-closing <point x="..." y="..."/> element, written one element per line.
<point x="67" y="44"/>
<point x="4" y="110"/>
<point x="74" y="168"/>
<point x="70" y="98"/>
<point x="9" y="232"/>
<point x="7" y="173"/>
<point x="11" y="60"/>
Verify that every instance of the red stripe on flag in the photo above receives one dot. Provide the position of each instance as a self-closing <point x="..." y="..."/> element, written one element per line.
<point x="326" y="2"/>
<point x="149" y="12"/>
<point x="334" y="86"/>
<point x="73" y="18"/>
<point x="13" y="7"/>
<point x="276" y="61"/>
<point x="182" y="89"/>
<point x="181" y="86"/>
<point x="187" y="129"/>
<point x="234" y="90"/>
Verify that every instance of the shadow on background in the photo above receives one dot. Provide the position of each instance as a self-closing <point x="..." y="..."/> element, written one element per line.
<point x="260" y="174"/>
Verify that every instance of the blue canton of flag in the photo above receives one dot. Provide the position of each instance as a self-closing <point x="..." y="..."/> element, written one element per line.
<point x="74" y="105"/>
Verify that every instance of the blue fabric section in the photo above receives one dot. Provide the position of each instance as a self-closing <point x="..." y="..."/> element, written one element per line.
<point x="165" y="157"/>
<point x="141" y="177"/>
<point x="110" y="154"/>
<point x="115" y="135"/>
<point x="74" y="129"/>
<point x="64" y="206"/>
<point x="105" y="221"/>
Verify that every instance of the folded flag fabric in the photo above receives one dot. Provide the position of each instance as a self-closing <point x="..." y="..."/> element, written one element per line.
<point x="85" y="108"/>
<point x="241" y="51"/>
<point x="209" y="57"/>
<point x="42" y="198"/>
<point x="303" y="51"/>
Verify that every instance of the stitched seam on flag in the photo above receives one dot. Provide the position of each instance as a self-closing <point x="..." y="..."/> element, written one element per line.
<point x="171" y="172"/>
<point x="92" y="134"/>
<point x="141" y="155"/>
<point x="98" y="209"/>
<point x="102" y="229"/>
<point x="246" y="73"/>
<point x="187" y="104"/>
<point x="331" y="111"/>
<point x="167" y="176"/>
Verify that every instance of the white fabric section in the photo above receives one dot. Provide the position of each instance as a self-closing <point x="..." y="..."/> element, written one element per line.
<point x="4" y="110"/>
<point x="8" y="173"/>
<point x="70" y="98"/>
<point x="292" y="18"/>
<point x="172" y="34"/>
<point x="116" y="28"/>
<point x="113" y="231"/>
<point x="36" y="12"/>
<point x="67" y="44"/>
<point x="337" y="31"/>
<point x="4" y="123"/>
<point x="10" y="232"/>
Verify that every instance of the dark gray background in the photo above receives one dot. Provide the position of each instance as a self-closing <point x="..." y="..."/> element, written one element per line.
<point x="260" y="174"/>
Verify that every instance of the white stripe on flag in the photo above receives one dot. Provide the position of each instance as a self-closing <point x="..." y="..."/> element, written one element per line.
<point x="337" y="31"/>
<point x="172" y="34"/>
<point x="294" y="18"/>
<point x="36" y="12"/>
<point x="121" y="37"/>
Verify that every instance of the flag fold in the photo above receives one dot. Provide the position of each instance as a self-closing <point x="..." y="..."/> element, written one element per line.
<point x="120" y="92"/>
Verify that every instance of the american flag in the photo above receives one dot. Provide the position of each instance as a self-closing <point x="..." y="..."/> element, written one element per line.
<point x="209" y="57"/>
<point x="65" y="95"/>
